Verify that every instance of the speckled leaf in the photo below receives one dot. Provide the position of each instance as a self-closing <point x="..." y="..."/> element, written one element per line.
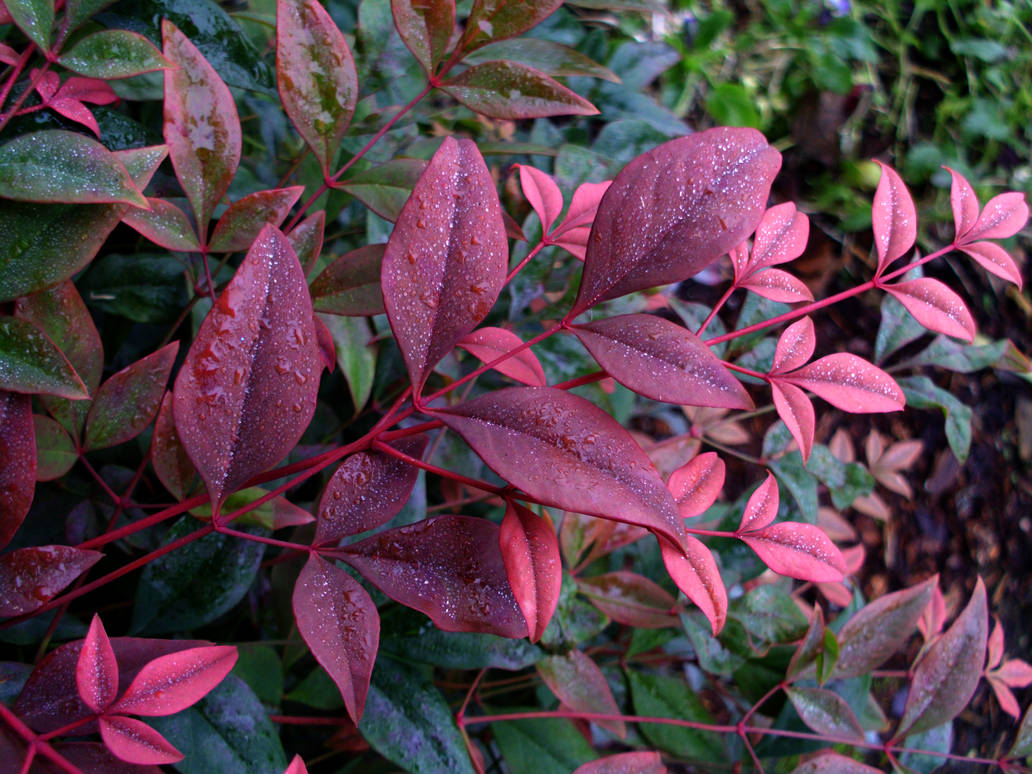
<point x="542" y="193"/>
<point x="426" y="27"/>
<point x="247" y="389"/>
<point x="96" y="671"/>
<point x="778" y="285"/>
<point x="947" y="675"/>
<point x="316" y="76"/>
<point x="696" y="574"/>
<point x="780" y="237"/>
<point x="566" y="452"/>
<point x="579" y="684"/>
<point x="30" y="577"/>
<point x="135" y="742"/>
<point x="109" y="54"/>
<point x="447" y="257"/>
<point x="810" y="646"/>
<point x="239" y="225"/>
<point x="795" y="346"/>
<point x="993" y="258"/>
<point x="530" y="552"/>
<point x="168" y="457"/>
<point x="674" y="210"/>
<point x="1003" y="216"/>
<point x="893" y="218"/>
<point x="849" y="383"/>
<point x="545" y="55"/>
<point x="385" y="188"/>
<point x="351" y="284"/>
<point x="173" y="682"/>
<point x="762" y="505"/>
<point x="18" y="472"/>
<point x="935" y="306"/>
<point x="625" y="763"/>
<point x="55" y="452"/>
<point x="201" y="126"/>
<point x="826" y="713"/>
<point x="662" y="360"/>
<point x="493" y="20"/>
<point x="30" y="363"/>
<point x="33" y="17"/>
<point x="829" y="762"/>
<point x="796" y="411"/>
<point x="164" y="224"/>
<point x="448" y="567"/>
<point x="510" y="90"/>
<point x="963" y="202"/>
<point x="798" y="550"/>
<point x="488" y="344"/>
<point x="696" y="484"/>
<point x="630" y="599"/>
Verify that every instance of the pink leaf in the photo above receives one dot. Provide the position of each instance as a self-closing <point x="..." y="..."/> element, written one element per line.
<point x="893" y="218"/>
<point x="448" y="567"/>
<point x="542" y="193"/>
<point x="171" y="683"/>
<point x="91" y="90"/>
<point x="933" y="616"/>
<point x="168" y="457"/>
<point x="566" y="452"/>
<point x="574" y="241"/>
<point x="850" y="383"/>
<point x="778" y="285"/>
<point x="796" y="411"/>
<point x="513" y="90"/>
<point x="630" y="599"/>
<point x="74" y="110"/>
<point x="795" y="346"/>
<point x="489" y="344"/>
<point x="247" y="389"/>
<point x="338" y="620"/>
<point x="696" y="574"/>
<point x="761" y="507"/>
<point x="994" y="647"/>
<point x="674" y="210"/>
<point x="661" y="360"/>
<point x="135" y="742"/>
<point x="18" y="472"/>
<point x="530" y="552"/>
<point x="7" y="54"/>
<point x="1003" y="216"/>
<point x="625" y="763"/>
<point x="780" y="237"/>
<point x="31" y="577"/>
<point x="583" y="207"/>
<point x="1015" y="673"/>
<point x="426" y="28"/>
<point x="327" y="347"/>
<point x="297" y="766"/>
<point x="964" y="202"/>
<point x="239" y="225"/>
<point x="696" y="484"/>
<point x="446" y="260"/>
<point x="164" y="224"/>
<point x="993" y="258"/>
<point x="578" y="683"/>
<point x="1004" y="695"/>
<point x="798" y="550"/>
<point x="96" y="672"/>
<point x="935" y="306"/>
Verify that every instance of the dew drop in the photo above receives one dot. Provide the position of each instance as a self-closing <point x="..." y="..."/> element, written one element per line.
<point x="420" y="223"/>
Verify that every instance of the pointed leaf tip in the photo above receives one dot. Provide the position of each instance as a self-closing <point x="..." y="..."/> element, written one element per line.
<point x="530" y="552"/>
<point x="96" y="671"/>
<point x="893" y="218"/>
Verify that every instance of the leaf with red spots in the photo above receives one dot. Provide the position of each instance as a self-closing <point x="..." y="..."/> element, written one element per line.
<point x="530" y="552"/>
<point x="448" y="567"/>
<point x="425" y="26"/>
<point x="578" y="683"/>
<point x="446" y="260"/>
<point x="489" y="344"/>
<point x="674" y="210"/>
<point x="18" y="472"/>
<point x="96" y="671"/>
<point x="849" y="383"/>
<point x="171" y="683"/>
<point x="797" y="550"/>
<point x="240" y="223"/>
<point x="566" y="452"/>
<point x="492" y="20"/>
<point x="630" y="599"/>
<point x="695" y="573"/>
<point x="338" y="620"/>
<point x="135" y="742"/>
<point x="542" y="193"/>
<point x="994" y="259"/>
<point x="351" y="284"/>
<point x="935" y="306"/>
<point x="661" y="360"/>
<point x="893" y="218"/>
<point x="762" y="505"/>
<point x="696" y="484"/>
<point x="247" y="389"/>
<point x="31" y="577"/>
<point x="511" y="90"/>
<point x="625" y="763"/>
<point x="164" y="224"/>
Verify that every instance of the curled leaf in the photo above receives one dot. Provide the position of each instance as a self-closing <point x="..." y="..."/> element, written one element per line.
<point x="530" y="552"/>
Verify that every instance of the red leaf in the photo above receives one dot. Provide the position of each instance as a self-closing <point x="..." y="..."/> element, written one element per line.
<point x="327" y="347"/>
<point x="696" y="484"/>
<point x="338" y="620"/>
<point x="796" y="411"/>
<point x="530" y="553"/>
<point x="202" y="128"/>
<point x="798" y="550"/>
<point x="30" y="577"/>
<point x="674" y="210"/>
<point x="351" y="284"/>
<point x="1015" y="673"/>
<point x="542" y="193"/>
<point x="780" y="237"/>
<point x="247" y="389"/>
<point x="91" y="90"/>
<point x="448" y="567"/>
<point x="850" y="383"/>
<point x="164" y="224"/>
<point x="661" y="360"/>
<point x="366" y="490"/>
<point x="964" y="202"/>
<point x="993" y="258"/>
<point x="935" y="306"/>
<point x="499" y="19"/>
<point x="583" y="207"/>
<point x="631" y="599"/>
<point x="795" y="346"/>
<point x="18" y="472"/>
<point x="778" y="285"/>
<point x="297" y="766"/>
<point x="168" y="457"/>
<point x="446" y="260"/>
<point x="625" y="763"/>
<point x="1003" y="216"/>
<point x="171" y="683"/>
<point x="96" y="671"/>
<point x="74" y="110"/>
<point x="315" y="73"/>
<point x="696" y="574"/>
<point x="761" y="507"/>
<point x="578" y="683"/>
<point x="240" y="223"/>
<point x="893" y="218"/>
<point x="425" y="27"/>
<point x="489" y="344"/>
<point x="135" y="742"/>
<point x="307" y="240"/>
<point x="566" y="452"/>
<point x="947" y="675"/>
<point x="511" y="90"/>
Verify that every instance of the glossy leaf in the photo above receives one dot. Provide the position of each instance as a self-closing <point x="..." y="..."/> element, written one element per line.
<point x="660" y="695"/>
<point x="18" y="472"/>
<point x="674" y="210"/>
<point x="778" y="285"/>
<point x="168" y="457"/>
<point x="385" y="188"/>
<point x="625" y="763"/>
<point x="947" y="675"/>
<point x="695" y="573"/>
<point x="135" y="742"/>
<point x="33" y="17"/>
<point x="55" y="453"/>
<point x="110" y="54"/>
<point x="277" y="513"/>
<point x="893" y="218"/>
<point x="243" y="220"/>
<point x="488" y="344"/>
<point x="171" y="683"/>
<point x="661" y="360"/>
<point x="1003" y="216"/>
<point x="762" y="505"/>
<point x="426" y="28"/>
<point x="530" y="553"/>
<point x="30" y="363"/>
<point x="826" y="713"/>
<point x="95" y="756"/>
<point x="338" y="620"/>
<point x="542" y="745"/>
<point x="448" y="567"/>
<point x="543" y="195"/>
<point x="780" y="237"/>
<point x="810" y="647"/>
<point x="510" y="90"/>
<point x="829" y="762"/>
<point x="796" y="411"/>
<point x="351" y="284"/>
<point x="164" y="224"/>
<point x="630" y="599"/>
<point x="994" y="259"/>
<point x="566" y="452"/>
<point x="201" y="126"/>
<point x="31" y="577"/>
<point x="96" y="671"/>
<point x="697" y="484"/>
<point x="964" y="203"/>
<point x="545" y="55"/>
<point x="247" y="389"/>
<point x="446" y="260"/>
<point x="795" y="346"/>
<point x="579" y="684"/>
<point x="307" y="239"/>
<point x="492" y="20"/>
<point x="315" y="74"/>
<point x="849" y="383"/>
<point x="935" y="306"/>
<point x="798" y="550"/>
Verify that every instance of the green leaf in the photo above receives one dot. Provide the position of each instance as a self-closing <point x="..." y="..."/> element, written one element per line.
<point x="980" y="48"/>
<point x="542" y="746"/>
<point x="318" y="691"/>
<point x="957" y="356"/>
<point x="846" y="481"/>
<point x="31" y="363"/>
<point x="228" y="731"/>
<point x="196" y="583"/>
<point x="921" y="392"/>
<point x="1022" y="746"/>
<point x="768" y="613"/>
<point x="714" y="656"/>
<point x="548" y="57"/>
<point x="79" y="11"/>
<point x="938" y="739"/>
<point x="55" y="451"/>
<point x="800" y="483"/>
<point x="574" y="620"/>
<point x="113" y="54"/>
<point x="261" y="668"/>
<point x="731" y="104"/>
<point x="356" y="355"/>
<point x="670" y="697"/>
<point x="503" y="89"/>
<point x="386" y="188"/>
<point x="896" y="329"/>
<point x="273" y="514"/>
<point x="145" y="287"/>
<point x="35" y="18"/>
<point x="407" y="720"/>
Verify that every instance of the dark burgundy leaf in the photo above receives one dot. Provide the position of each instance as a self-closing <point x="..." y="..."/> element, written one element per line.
<point x="826" y="713"/>
<point x="493" y="20"/>
<point x="510" y="90"/>
<point x="164" y="224"/>
<point x="327" y="346"/>
<point x="695" y="573"/>
<point x="18" y="471"/>
<point x="696" y="484"/>
<point x="798" y="550"/>
<point x="935" y="306"/>
<point x="489" y="344"/>
<point x="95" y="758"/>
<point x="447" y="257"/>
<point x="239" y="225"/>
<point x="426" y="27"/>
<point x="307" y="239"/>
<point x="630" y="599"/>
<point x="171" y="683"/>
<point x="676" y="209"/>
<point x="578" y="683"/>
<point x="135" y="742"/>
<point x="893" y="218"/>
<point x="30" y="577"/>
<point x="169" y="458"/>
<point x="850" y="383"/>
<point x="530" y="552"/>
<point x="625" y="763"/>
<point x="351" y="284"/>
<point x="96" y="671"/>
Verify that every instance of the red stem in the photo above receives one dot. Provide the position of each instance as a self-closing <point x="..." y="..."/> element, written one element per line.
<point x="16" y="72"/>
<point x="35" y="744"/>
<point x="482" y="485"/>
<point x="530" y="256"/>
<point x="716" y="308"/>
<point x="260" y="539"/>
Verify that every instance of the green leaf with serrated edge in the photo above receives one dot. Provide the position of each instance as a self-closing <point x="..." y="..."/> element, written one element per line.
<point x="825" y="713"/>
<point x="959" y="357"/>
<point x="846" y="481"/>
<point x="407" y="720"/>
<point x="195" y="584"/>
<point x="511" y="90"/>
<point x="800" y="483"/>
<point x="31" y="363"/>
<point x="896" y="329"/>
<point x="548" y="57"/>
<point x="112" y="54"/>
<point x="921" y="392"/>
<point x="164" y="224"/>
<point x="262" y="669"/>
<point x="351" y="284"/>
<point x="1022" y="746"/>
<point x="145" y="287"/>
<point x="356" y="355"/>
<point x="542" y="745"/>
<point x="228" y="731"/>
<point x="669" y="697"/>
<point x="33" y="17"/>
<point x="385" y="189"/>
<point x="55" y="451"/>
<point x="55" y="165"/>
<point x="769" y="613"/>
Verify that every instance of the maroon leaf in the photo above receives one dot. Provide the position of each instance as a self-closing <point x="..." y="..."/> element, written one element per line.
<point x="850" y="383"/>
<point x="366" y="490"/>
<point x="446" y="260"/>
<point x="239" y="225"/>
<point x="96" y="671"/>
<point x="55" y="453"/>
<point x="964" y="203"/>
<point x="511" y="90"/>
<point x="893" y="218"/>
<point x="1003" y="216"/>
<point x="798" y="550"/>
<point x="95" y="757"/>
<point x="829" y="762"/>
<point x="795" y="346"/>
<point x="164" y="224"/>
<point x="30" y="577"/>
<point x="202" y="128"/>
<point x="338" y="620"/>
<point x="499" y="19"/>
<point x="307" y="239"/>
<point x="762" y="506"/>
<point x="543" y="194"/>
<point x="530" y="552"/>
<point x="661" y="360"/>
<point x="676" y="209"/>
<point x="630" y="599"/>
<point x="489" y="344"/>
<point x="247" y="389"/>
<point x="796" y="411"/>
<point x="448" y="567"/>
<point x="18" y="472"/>
<point x="696" y="574"/>
<point x="935" y="306"/>
<point x="993" y="258"/>
<point x="135" y="742"/>
<point x="171" y="683"/>
<point x="578" y="683"/>
<point x="169" y="458"/>
<point x="316" y="76"/>
<point x="947" y="675"/>
<point x="696" y="484"/>
<point x="826" y="713"/>
<point x="351" y="284"/>
<point x="425" y="27"/>
<point x="625" y="763"/>
<point x="327" y="347"/>
<point x="566" y="452"/>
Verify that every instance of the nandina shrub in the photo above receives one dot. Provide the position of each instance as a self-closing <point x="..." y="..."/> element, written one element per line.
<point x="419" y="425"/>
